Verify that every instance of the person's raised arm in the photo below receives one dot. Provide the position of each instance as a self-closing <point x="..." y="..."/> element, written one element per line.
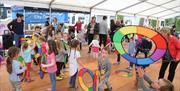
<point x="141" y="79"/>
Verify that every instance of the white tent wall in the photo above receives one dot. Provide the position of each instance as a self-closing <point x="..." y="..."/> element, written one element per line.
<point x="23" y="3"/>
<point x="73" y="8"/>
<point x="156" y="9"/>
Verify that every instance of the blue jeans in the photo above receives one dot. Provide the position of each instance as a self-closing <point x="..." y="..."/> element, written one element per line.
<point x="52" y="77"/>
<point x="72" y="81"/>
<point x="17" y="39"/>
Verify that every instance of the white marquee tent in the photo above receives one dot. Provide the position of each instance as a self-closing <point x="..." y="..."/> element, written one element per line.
<point x="159" y="9"/>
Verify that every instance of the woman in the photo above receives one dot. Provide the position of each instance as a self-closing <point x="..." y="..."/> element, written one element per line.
<point x="93" y="28"/>
<point x="113" y="29"/>
<point x="172" y="54"/>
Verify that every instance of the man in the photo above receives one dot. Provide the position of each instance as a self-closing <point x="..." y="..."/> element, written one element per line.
<point x="17" y="27"/>
<point x="103" y="31"/>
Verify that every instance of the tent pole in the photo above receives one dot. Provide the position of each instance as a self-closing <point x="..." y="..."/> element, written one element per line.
<point x="90" y="15"/>
<point x="50" y="10"/>
<point x="116" y="15"/>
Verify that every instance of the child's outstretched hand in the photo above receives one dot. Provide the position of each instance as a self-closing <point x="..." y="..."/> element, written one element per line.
<point x="140" y="71"/>
<point x="43" y="65"/>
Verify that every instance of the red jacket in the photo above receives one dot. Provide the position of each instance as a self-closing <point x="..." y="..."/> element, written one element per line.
<point x="78" y="26"/>
<point x="174" y="47"/>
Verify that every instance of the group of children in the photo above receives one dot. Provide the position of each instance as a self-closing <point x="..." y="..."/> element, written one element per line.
<point x="61" y="51"/>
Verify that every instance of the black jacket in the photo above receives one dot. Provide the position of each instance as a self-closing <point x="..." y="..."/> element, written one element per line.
<point x="16" y="27"/>
<point x="96" y="28"/>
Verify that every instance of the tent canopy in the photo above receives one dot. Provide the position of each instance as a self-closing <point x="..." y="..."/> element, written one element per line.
<point x="148" y="8"/>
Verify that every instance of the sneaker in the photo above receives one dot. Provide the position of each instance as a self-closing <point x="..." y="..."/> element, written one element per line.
<point x="110" y="89"/>
<point x="49" y="89"/>
<point x="129" y="68"/>
<point x="116" y="63"/>
<point x="59" y="78"/>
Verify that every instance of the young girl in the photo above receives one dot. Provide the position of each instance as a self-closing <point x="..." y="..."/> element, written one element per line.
<point x="73" y="62"/>
<point x="131" y="51"/>
<point x="159" y="85"/>
<point x="26" y="51"/>
<point x="14" y="68"/>
<point x="95" y="46"/>
<point x="42" y="40"/>
<point x="105" y="68"/>
<point x="60" y="59"/>
<point x="51" y="63"/>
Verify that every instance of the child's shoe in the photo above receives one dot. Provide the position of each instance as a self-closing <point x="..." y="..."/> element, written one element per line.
<point x="129" y="68"/>
<point x="58" y="78"/>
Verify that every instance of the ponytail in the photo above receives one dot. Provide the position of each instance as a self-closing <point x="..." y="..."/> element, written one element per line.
<point x="12" y="52"/>
<point x="9" y="65"/>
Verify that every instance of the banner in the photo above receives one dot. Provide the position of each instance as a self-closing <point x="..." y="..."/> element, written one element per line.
<point x="2" y="28"/>
<point x="41" y="17"/>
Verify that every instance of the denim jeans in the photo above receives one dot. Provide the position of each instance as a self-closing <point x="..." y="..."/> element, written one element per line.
<point x="102" y="83"/>
<point x="53" y="81"/>
<point x="16" y="86"/>
<point x="72" y="81"/>
<point x="17" y="39"/>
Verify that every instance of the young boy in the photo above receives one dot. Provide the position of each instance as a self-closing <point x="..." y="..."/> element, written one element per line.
<point x="105" y="70"/>
<point x="159" y="85"/>
<point x="37" y="33"/>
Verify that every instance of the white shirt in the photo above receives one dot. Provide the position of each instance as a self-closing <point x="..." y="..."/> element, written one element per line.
<point x="103" y="27"/>
<point x="73" y="65"/>
<point x="94" y="43"/>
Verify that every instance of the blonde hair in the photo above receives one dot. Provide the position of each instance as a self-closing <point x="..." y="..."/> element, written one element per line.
<point x="96" y="36"/>
<point x="59" y="45"/>
<point x="168" y="86"/>
<point x="165" y="31"/>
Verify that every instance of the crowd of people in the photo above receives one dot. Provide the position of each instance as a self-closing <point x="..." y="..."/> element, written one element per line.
<point x="62" y="50"/>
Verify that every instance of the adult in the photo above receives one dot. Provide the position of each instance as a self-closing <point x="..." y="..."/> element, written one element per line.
<point x="92" y="29"/>
<point x="118" y="26"/>
<point x="103" y="31"/>
<point x="55" y="24"/>
<point x="112" y="29"/>
<point x="172" y="55"/>
<point x="78" y="25"/>
<point x="50" y="32"/>
<point x="61" y="28"/>
<point x="47" y="22"/>
<point x="16" y="26"/>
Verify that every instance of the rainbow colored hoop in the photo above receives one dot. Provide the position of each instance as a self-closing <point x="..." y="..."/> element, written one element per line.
<point x="153" y="35"/>
<point x="81" y="82"/>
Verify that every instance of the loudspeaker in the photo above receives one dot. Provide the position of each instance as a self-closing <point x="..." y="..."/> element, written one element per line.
<point x="7" y="41"/>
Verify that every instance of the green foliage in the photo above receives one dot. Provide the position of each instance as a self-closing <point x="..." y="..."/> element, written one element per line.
<point x="153" y="23"/>
<point x="178" y="23"/>
<point x="169" y="22"/>
<point x="120" y="17"/>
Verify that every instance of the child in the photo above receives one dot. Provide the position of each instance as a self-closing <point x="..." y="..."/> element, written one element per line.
<point x="51" y="63"/>
<point x="105" y="70"/>
<point x="42" y="41"/>
<point x="131" y="51"/>
<point x="66" y="47"/>
<point x="95" y="46"/>
<point x="26" y="51"/>
<point x="73" y="62"/>
<point x="36" y="33"/>
<point x="14" y="68"/>
<point x="159" y="85"/>
<point x="60" y="59"/>
<point x="81" y="37"/>
<point x="38" y="30"/>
